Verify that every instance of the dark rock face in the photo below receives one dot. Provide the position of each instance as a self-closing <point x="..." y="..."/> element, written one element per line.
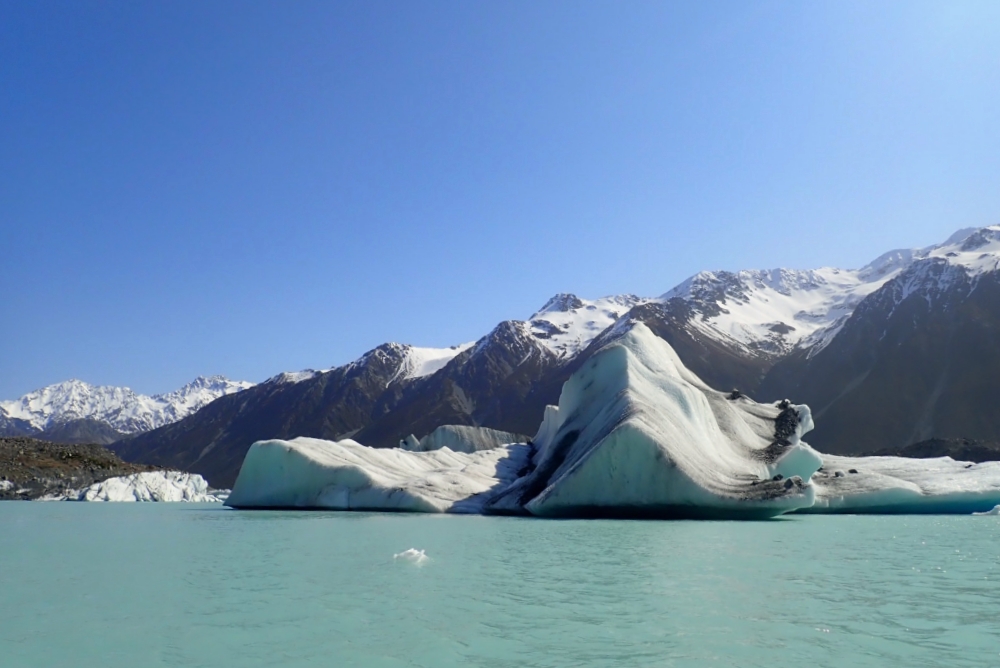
<point x="489" y="385"/>
<point x="32" y="468"/>
<point x="917" y="359"/>
<point x="959" y="449"/>
<point x="81" y="431"/>
<point x="330" y="405"/>
<point x="11" y="427"/>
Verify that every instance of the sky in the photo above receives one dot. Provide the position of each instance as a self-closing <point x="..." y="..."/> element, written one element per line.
<point x="191" y="188"/>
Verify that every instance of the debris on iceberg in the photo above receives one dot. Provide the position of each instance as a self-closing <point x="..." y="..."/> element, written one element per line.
<point x="899" y="485"/>
<point x="148" y="486"/>
<point x="345" y="475"/>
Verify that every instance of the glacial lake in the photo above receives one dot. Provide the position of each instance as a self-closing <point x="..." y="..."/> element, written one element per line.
<point x="199" y="585"/>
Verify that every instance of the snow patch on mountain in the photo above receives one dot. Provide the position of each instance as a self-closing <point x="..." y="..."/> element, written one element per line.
<point x="567" y="324"/>
<point x="420" y="362"/>
<point x="291" y="377"/>
<point x="773" y="311"/>
<point x="120" y="407"/>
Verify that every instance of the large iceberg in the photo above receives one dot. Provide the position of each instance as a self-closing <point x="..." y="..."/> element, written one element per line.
<point x="345" y="475"/>
<point x="638" y="434"/>
<point x="635" y="434"/>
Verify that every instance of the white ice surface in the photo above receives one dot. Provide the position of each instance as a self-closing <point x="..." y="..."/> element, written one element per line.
<point x="902" y="485"/>
<point x="994" y="511"/>
<point x="345" y="475"/>
<point x="6" y="485"/>
<point x="412" y="555"/>
<point x="148" y="486"/>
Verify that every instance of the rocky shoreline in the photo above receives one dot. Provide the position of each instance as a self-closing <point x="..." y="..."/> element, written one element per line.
<point x="31" y="469"/>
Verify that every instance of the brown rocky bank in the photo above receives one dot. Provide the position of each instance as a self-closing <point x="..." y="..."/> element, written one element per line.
<point x="30" y="468"/>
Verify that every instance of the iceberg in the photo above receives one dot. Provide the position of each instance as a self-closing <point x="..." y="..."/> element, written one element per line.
<point x="899" y="485"/>
<point x="147" y="486"/>
<point x="345" y="475"/>
<point x="412" y="555"/>
<point x="635" y="434"/>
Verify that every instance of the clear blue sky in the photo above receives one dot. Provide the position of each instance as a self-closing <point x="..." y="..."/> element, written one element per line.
<point x="248" y="187"/>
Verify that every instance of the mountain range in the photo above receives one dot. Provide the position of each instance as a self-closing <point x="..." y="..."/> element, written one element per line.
<point x="77" y="412"/>
<point x="897" y="352"/>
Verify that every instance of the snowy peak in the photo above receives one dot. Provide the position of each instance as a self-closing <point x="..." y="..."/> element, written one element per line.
<point x="120" y="407"/>
<point x="773" y="311"/>
<point x="567" y="324"/>
<point x="977" y="252"/>
<point x="199" y="392"/>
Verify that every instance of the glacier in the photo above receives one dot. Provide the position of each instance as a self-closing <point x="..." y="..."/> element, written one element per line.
<point x="164" y="486"/>
<point x="635" y="434"/>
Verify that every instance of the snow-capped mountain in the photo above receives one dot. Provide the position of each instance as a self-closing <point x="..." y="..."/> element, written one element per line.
<point x="566" y="324"/>
<point x="810" y="335"/>
<point x="776" y="311"/>
<point x="120" y="408"/>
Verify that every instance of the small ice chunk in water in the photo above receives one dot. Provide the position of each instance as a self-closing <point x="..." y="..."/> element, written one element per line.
<point x="995" y="511"/>
<point x="412" y="555"/>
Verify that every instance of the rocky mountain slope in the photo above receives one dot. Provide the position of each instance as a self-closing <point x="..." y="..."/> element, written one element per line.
<point x="918" y="358"/>
<point x="898" y="351"/>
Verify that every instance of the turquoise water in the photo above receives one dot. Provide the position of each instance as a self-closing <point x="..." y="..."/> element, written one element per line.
<point x="179" y="585"/>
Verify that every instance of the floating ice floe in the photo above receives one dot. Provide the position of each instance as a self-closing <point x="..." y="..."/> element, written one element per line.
<point x="635" y="434"/>
<point x="995" y="511"/>
<point x="147" y="486"/>
<point x="411" y="555"/>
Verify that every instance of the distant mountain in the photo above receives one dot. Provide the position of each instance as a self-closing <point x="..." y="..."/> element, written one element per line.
<point x="899" y="351"/>
<point x="119" y="409"/>
<point x="84" y="430"/>
<point x="918" y="359"/>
